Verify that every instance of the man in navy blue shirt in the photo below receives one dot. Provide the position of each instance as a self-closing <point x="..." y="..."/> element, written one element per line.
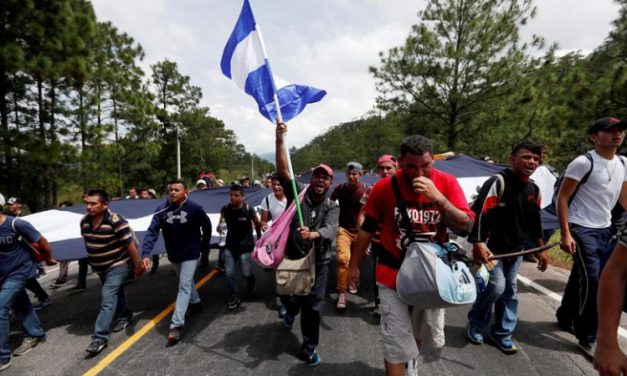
<point x="16" y="267"/>
<point x="186" y="231"/>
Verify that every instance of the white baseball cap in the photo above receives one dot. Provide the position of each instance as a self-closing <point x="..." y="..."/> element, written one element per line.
<point x="2" y="202"/>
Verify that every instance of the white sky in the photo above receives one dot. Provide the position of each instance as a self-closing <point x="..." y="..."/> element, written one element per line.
<point x="328" y="44"/>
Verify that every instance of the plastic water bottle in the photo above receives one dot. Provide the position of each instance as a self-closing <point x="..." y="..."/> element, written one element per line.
<point x="482" y="276"/>
<point x="222" y="230"/>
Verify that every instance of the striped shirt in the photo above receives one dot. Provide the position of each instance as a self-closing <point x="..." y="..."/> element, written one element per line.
<point x="107" y="244"/>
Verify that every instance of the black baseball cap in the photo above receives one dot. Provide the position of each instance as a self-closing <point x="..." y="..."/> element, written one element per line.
<point x="14" y="200"/>
<point x="606" y="123"/>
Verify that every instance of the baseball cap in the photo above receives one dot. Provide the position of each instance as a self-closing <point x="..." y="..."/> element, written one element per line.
<point x="152" y="192"/>
<point x="14" y="200"/>
<point x="386" y="158"/>
<point x="354" y="166"/>
<point x="2" y="202"/>
<point x="606" y="123"/>
<point x="201" y="181"/>
<point x="324" y="168"/>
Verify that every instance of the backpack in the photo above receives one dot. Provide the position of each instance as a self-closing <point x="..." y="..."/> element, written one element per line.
<point x="37" y="253"/>
<point x="485" y="189"/>
<point x="552" y="207"/>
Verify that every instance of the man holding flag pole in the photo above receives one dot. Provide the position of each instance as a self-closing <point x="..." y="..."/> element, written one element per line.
<point x="246" y="63"/>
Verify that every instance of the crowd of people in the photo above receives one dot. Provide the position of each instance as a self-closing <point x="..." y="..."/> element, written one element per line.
<point x="412" y="200"/>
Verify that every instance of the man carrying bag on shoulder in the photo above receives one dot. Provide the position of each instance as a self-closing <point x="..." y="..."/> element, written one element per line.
<point x="320" y="220"/>
<point x="432" y="200"/>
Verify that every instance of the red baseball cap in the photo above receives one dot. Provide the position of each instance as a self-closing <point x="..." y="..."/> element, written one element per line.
<point x="387" y="158"/>
<point x="322" y="167"/>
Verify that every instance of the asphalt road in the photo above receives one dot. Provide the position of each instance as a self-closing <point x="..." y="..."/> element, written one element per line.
<point x="252" y="341"/>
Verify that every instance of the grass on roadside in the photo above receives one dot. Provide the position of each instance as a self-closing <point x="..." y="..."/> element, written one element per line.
<point x="557" y="257"/>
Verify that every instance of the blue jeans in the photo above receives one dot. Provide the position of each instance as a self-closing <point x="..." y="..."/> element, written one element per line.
<point x="579" y="304"/>
<point x="230" y="269"/>
<point x="500" y="292"/>
<point x="113" y="304"/>
<point x="13" y="295"/>
<point x="187" y="290"/>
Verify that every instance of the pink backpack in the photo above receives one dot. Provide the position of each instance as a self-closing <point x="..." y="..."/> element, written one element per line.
<point x="270" y="248"/>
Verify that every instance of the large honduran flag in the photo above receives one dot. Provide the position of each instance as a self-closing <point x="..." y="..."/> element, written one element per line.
<point x="244" y="61"/>
<point x="61" y="226"/>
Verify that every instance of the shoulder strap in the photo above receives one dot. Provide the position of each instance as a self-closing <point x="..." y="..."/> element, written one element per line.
<point x="587" y="175"/>
<point x="405" y="222"/>
<point x="500" y="190"/>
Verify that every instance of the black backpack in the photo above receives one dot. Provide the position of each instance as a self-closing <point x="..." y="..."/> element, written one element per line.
<point x="552" y="207"/>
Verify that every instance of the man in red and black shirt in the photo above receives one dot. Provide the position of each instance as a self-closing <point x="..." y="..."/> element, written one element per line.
<point x="508" y="213"/>
<point x="434" y="201"/>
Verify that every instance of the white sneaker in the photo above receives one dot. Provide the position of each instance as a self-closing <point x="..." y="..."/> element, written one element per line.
<point x="412" y="368"/>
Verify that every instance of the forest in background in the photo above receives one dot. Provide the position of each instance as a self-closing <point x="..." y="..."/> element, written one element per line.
<point x="77" y="111"/>
<point x="465" y="79"/>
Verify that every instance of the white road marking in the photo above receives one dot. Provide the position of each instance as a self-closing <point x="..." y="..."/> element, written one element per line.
<point x="526" y="281"/>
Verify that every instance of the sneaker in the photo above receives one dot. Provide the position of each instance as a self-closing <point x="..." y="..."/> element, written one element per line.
<point x="78" y="288"/>
<point x="42" y="303"/>
<point x="122" y="323"/>
<point x="57" y="283"/>
<point x="251" y="285"/>
<point x="41" y="274"/>
<point x="233" y="303"/>
<point x="27" y="345"/>
<point x="412" y="368"/>
<point x="4" y="366"/>
<point x="221" y="267"/>
<point x="288" y="321"/>
<point x="341" y="301"/>
<point x="506" y="345"/>
<point x="312" y="359"/>
<point x="96" y="346"/>
<point x="376" y="312"/>
<point x="175" y="334"/>
<point x="352" y="289"/>
<point x="588" y="348"/>
<point x="282" y="311"/>
<point x="474" y="336"/>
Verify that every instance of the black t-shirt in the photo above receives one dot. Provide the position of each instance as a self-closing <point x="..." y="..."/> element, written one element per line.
<point x="239" y="237"/>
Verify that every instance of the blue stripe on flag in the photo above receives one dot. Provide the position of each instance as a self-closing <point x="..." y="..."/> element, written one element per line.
<point x="293" y="99"/>
<point x="259" y="86"/>
<point x="242" y="62"/>
<point x="244" y="26"/>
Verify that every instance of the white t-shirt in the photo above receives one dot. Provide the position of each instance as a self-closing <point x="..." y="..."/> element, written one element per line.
<point x="595" y="199"/>
<point x="275" y="208"/>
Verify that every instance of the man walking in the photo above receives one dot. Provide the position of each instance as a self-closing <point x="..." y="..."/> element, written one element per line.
<point x="110" y="246"/>
<point x="508" y="213"/>
<point x="592" y="185"/>
<point x="349" y="197"/>
<point x="434" y="201"/>
<point x="16" y="267"/>
<point x="186" y="231"/>
<point x="320" y="217"/>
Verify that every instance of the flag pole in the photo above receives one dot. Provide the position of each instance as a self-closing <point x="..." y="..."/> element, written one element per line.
<point x="279" y="118"/>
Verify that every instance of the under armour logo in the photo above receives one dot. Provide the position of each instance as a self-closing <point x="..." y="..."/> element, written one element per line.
<point x="182" y="217"/>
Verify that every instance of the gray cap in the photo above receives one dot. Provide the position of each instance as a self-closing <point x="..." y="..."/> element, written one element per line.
<point x="354" y="166"/>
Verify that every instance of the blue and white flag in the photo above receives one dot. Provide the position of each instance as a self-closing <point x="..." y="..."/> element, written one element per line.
<point x="244" y="62"/>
